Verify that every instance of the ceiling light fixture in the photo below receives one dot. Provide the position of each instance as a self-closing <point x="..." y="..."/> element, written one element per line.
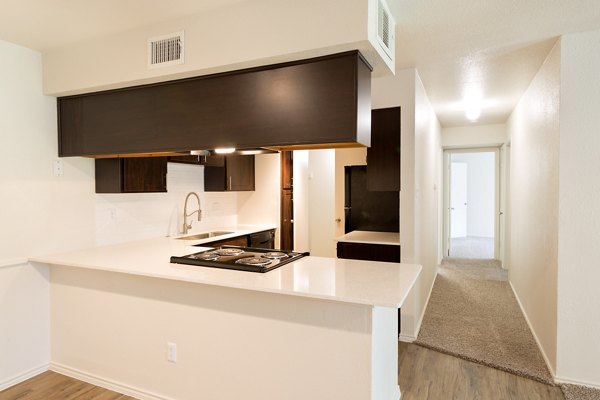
<point x="473" y="113"/>
<point x="472" y="103"/>
<point x="225" y="150"/>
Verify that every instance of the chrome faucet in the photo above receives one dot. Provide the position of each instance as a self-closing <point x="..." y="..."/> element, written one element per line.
<point x="187" y="226"/>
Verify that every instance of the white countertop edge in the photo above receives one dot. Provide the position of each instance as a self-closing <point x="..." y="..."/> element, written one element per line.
<point x="336" y="298"/>
<point x="370" y="237"/>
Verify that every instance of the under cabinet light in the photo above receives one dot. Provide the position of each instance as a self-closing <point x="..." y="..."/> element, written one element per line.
<point x="225" y="150"/>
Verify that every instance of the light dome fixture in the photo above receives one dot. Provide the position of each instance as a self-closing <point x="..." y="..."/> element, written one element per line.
<point x="473" y="113"/>
<point x="473" y="98"/>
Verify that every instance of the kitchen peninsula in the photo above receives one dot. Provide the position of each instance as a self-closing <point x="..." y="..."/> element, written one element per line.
<point x="317" y="328"/>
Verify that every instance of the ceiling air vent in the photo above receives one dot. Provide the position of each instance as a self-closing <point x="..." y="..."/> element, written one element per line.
<point x="385" y="28"/>
<point x="165" y="50"/>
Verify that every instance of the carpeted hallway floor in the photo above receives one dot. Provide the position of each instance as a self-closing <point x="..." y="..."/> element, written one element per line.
<point x="473" y="314"/>
<point x="472" y="247"/>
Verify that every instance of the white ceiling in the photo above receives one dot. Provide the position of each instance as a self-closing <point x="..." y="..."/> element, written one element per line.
<point x="494" y="46"/>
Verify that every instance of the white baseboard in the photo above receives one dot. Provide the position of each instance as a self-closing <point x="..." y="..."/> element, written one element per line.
<point x="411" y="338"/>
<point x="407" y="338"/>
<point x="23" y="376"/>
<point x="533" y="332"/>
<point x="569" y="381"/>
<point x="106" y="383"/>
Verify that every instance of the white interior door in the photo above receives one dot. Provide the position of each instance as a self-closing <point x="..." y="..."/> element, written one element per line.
<point x="458" y="199"/>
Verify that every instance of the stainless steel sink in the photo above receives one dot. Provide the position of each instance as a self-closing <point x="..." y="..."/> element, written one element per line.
<point x="201" y="236"/>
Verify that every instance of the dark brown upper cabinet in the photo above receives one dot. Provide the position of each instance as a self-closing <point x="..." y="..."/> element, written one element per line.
<point x="383" y="157"/>
<point x="229" y="174"/>
<point x="131" y="175"/>
<point x="319" y="102"/>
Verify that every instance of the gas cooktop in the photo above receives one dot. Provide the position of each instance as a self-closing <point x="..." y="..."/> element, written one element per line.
<point x="240" y="258"/>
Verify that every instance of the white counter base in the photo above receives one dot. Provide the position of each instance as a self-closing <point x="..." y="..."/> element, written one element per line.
<point x="231" y="343"/>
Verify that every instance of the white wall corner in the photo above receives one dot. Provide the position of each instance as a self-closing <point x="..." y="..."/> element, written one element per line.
<point x="411" y="336"/>
<point x="118" y="387"/>
<point x="539" y="344"/>
<point x="23" y="376"/>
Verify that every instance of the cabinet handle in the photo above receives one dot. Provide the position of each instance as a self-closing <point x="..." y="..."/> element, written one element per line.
<point x="229" y="183"/>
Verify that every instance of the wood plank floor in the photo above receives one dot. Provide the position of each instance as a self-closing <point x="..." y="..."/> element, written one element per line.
<point x="53" y="386"/>
<point x="425" y="374"/>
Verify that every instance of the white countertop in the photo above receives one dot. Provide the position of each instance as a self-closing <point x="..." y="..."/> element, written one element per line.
<point x="352" y="281"/>
<point x="388" y="238"/>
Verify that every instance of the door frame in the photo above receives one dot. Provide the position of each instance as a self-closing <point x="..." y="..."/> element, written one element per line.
<point x="446" y="189"/>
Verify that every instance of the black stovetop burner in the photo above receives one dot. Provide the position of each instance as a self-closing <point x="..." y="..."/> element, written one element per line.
<point x="240" y="258"/>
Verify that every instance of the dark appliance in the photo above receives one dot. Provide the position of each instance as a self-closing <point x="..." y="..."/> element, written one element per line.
<point x="249" y="259"/>
<point x="366" y="210"/>
<point x="263" y="240"/>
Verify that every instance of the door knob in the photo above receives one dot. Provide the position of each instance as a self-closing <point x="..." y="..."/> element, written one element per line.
<point x="338" y="220"/>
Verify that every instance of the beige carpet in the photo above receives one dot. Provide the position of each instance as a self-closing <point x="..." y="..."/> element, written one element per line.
<point x="473" y="314"/>
<point x="576" y="392"/>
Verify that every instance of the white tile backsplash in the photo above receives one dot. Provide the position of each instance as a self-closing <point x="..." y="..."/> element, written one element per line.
<point x="127" y="217"/>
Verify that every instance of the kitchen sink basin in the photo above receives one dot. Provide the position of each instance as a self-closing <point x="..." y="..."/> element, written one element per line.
<point x="201" y="236"/>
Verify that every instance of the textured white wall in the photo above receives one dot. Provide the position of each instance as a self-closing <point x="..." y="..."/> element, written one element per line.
<point x="420" y="174"/>
<point x="24" y="322"/>
<point x="579" y="214"/>
<point x="39" y="213"/>
<point x="474" y="136"/>
<point x="249" y="33"/>
<point x="261" y="207"/>
<point x="481" y="192"/>
<point x="321" y="202"/>
<point x="534" y="133"/>
<point x="134" y="216"/>
<point x="428" y="195"/>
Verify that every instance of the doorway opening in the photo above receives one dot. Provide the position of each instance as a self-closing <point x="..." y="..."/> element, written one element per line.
<point x="471" y="185"/>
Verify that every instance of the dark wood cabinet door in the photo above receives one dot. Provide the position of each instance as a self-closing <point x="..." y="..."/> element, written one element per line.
<point x="287" y="220"/>
<point x="144" y="174"/>
<point x="287" y="169"/>
<point x="383" y="157"/>
<point x="229" y="173"/>
<point x="240" y="173"/>
<point x="131" y="175"/>
<point x="287" y="200"/>
<point x="368" y="252"/>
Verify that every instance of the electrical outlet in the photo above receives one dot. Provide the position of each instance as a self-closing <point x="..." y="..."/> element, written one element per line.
<point x="57" y="168"/>
<point x="171" y="352"/>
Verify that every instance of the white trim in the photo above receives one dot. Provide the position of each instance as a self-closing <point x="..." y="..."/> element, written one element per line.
<point x="11" y="262"/>
<point x="406" y="338"/>
<point x="576" y="382"/>
<point x="411" y="338"/>
<point x="446" y="161"/>
<point x="106" y="383"/>
<point x="23" y="376"/>
<point x="533" y="332"/>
